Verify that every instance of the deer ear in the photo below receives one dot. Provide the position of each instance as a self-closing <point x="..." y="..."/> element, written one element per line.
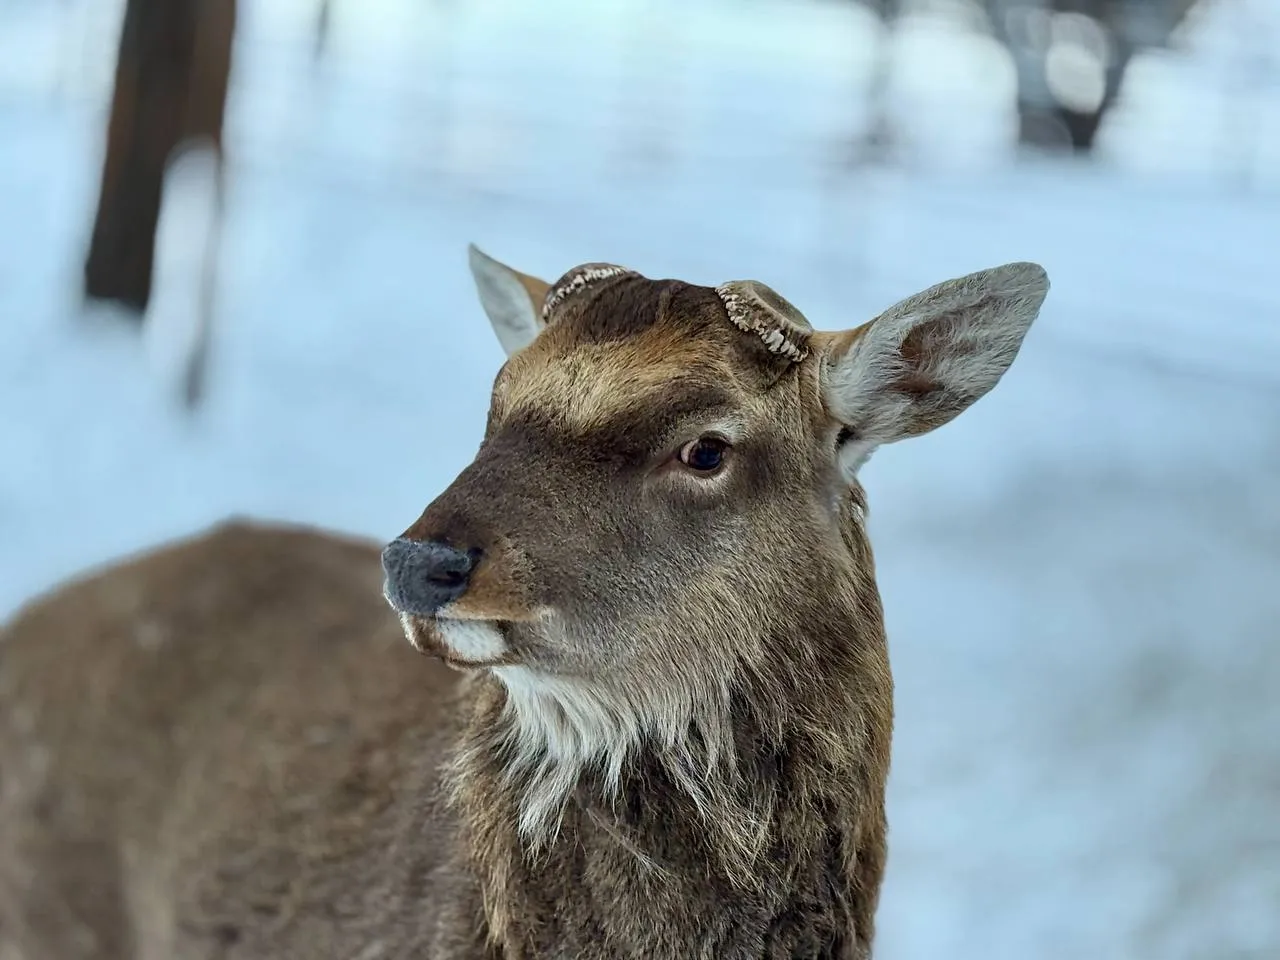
<point x="924" y="361"/>
<point x="511" y="299"/>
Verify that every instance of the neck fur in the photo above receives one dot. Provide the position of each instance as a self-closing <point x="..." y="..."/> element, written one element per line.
<point x="553" y="734"/>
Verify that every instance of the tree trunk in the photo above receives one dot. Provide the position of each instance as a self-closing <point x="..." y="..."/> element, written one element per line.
<point x="324" y="20"/>
<point x="1058" y="126"/>
<point x="170" y="85"/>
<point x="1130" y="26"/>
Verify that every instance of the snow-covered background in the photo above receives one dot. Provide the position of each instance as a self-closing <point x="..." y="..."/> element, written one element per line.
<point x="1082" y="574"/>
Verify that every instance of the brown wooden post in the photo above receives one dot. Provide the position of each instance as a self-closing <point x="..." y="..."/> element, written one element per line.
<point x="170" y="85"/>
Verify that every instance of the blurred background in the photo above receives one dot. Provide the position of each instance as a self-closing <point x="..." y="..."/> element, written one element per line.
<point x="1081" y="575"/>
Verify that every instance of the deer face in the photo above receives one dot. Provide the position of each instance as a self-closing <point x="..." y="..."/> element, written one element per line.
<point x="666" y="470"/>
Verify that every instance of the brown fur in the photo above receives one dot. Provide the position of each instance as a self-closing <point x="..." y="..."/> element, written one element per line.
<point x="213" y="751"/>
<point x="225" y="748"/>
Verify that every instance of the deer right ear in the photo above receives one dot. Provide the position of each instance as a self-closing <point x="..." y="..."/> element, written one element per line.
<point x="923" y="361"/>
<point x="511" y="299"/>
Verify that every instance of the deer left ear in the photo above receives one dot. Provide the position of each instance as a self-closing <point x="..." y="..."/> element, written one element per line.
<point x="922" y="362"/>
<point x="511" y="299"/>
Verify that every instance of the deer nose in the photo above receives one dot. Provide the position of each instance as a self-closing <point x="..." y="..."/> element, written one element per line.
<point x="424" y="575"/>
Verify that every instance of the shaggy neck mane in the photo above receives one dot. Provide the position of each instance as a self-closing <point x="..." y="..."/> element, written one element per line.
<point x="554" y="734"/>
<point x="780" y="766"/>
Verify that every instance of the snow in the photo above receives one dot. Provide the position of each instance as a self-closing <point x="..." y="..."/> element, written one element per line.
<point x="1080" y="575"/>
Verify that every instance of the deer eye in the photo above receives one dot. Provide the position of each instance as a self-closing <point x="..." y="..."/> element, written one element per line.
<point x="704" y="455"/>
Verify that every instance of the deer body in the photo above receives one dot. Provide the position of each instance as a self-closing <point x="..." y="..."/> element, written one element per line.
<point x="208" y="751"/>
<point x="666" y="731"/>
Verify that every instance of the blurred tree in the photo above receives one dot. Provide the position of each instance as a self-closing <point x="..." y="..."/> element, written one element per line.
<point x="170" y="85"/>
<point x="877" y="140"/>
<point x="1071" y="57"/>
<point x="324" y="20"/>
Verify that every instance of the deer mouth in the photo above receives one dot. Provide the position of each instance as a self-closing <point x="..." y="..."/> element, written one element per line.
<point x="471" y="666"/>
<point x="464" y="644"/>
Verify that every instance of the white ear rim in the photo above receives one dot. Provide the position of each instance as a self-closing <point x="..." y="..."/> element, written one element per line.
<point x="515" y="318"/>
<point x="853" y="456"/>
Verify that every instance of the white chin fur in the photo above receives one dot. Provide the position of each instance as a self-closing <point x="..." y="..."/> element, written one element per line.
<point x="471" y="639"/>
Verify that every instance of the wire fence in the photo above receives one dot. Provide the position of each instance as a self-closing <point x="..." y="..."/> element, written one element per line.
<point x="482" y="91"/>
<point x="616" y="111"/>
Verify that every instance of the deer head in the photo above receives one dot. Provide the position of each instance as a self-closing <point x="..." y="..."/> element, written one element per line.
<point x="665" y="502"/>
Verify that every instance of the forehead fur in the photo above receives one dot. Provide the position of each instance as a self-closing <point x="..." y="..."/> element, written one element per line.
<point x="622" y="339"/>
<point x="590" y="383"/>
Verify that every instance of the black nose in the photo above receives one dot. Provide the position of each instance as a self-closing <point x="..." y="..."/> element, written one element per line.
<point x="423" y="575"/>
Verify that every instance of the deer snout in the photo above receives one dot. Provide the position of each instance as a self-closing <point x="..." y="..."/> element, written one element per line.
<point x="423" y="576"/>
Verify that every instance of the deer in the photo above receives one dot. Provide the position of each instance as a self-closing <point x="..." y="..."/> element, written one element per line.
<point x="645" y="708"/>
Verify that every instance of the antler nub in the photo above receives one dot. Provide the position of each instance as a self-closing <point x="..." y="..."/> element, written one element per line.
<point x="578" y="279"/>
<point x="757" y="309"/>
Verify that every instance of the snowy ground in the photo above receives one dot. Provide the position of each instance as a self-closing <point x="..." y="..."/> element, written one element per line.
<point x="1080" y="575"/>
